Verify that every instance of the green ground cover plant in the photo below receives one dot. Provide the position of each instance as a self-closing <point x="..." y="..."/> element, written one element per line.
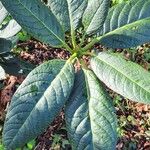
<point x="77" y="25"/>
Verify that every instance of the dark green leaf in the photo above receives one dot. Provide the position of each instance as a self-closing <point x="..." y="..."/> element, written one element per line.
<point x="37" y="102"/>
<point x="124" y="77"/>
<point x="68" y="12"/>
<point x="14" y="65"/>
<point x="90" y="117"/>
<point x="127" y="25"/>
<point x="76" y="114"/>
<point x="95" y="14"/>
<point x="37" y="20"/>
<point x="5" y="45"/>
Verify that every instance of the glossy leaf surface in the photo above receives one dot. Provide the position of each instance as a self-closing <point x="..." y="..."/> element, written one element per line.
<point x="127" y="25"/>
<point x="37" y="102"/>
<point x="122" y="76"/>
<point x="36" y="19"/>
<point x="68" y="12"/>
<point x="95" y="14"/>
<point x="90" y="118"/>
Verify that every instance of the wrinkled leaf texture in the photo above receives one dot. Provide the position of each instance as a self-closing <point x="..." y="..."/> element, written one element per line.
<point x="127" y="25"/>
<point x="95" y="15"/>
<point x="37" y="102"/>
<point x="37" y="20"/>
<point x="122" y="76"/>
<point x="90" y="119"/>
<point x="68" y="12"/>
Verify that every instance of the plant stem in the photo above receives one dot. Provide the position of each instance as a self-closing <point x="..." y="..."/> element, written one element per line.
<point x="67" y="47"/>
<point x="72" y="57"/>
<point x="73" y="38"/>
<point x="91" y="44"/>
<point x="82" y="39"/>
<point x="88" y="53"/>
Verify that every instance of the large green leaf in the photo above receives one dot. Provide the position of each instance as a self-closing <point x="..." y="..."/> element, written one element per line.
<point x="95" y="14"/>
<point x="68" y="12"/>
<point x="90" y="118"/>
<point x="36" y="19"/>
<point x="10" y="30"/>
<point x="76" y="115"/>
<point x="37" y="102"/>
<point x="127" y="25"/>
<point x="3" y="13"/>
<point x="124" y="77"/>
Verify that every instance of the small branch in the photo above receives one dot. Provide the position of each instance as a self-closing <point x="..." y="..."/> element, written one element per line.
<point x="82" y="39"/>
<point x="88" y="54"/>
<point x="73" y="38"/>
<point x="67" y="47"/>
<point x="72" y="58"/>
<point x="91" y="44"/>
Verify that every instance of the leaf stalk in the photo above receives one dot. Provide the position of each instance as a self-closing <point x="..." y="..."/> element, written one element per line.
<point x="91" y="44"/>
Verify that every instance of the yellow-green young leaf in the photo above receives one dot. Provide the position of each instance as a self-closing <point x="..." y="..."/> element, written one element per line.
<point x="95" y="14"/>
<point x="127" y="25"/>
<point x="37" y="102"/>
<point x="90" y="119"/>
<point x="124" y="77"/>
<point x="68" y="12"/>
<point x="37" y="20"/>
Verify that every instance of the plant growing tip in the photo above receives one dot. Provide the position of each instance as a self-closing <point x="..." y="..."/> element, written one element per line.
<point x="72" y="58"/>
<point x="89" y="112"/>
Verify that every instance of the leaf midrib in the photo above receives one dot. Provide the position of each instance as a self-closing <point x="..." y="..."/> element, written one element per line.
<point x="125" y="27"/>
<point x="123" y="75"/>
<point x="42" y="22"/>
<point x="70" y="16"/>
<point x="51" y="83"/>
<point x="93" y="78"/>
<point x="93" y="17"/>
